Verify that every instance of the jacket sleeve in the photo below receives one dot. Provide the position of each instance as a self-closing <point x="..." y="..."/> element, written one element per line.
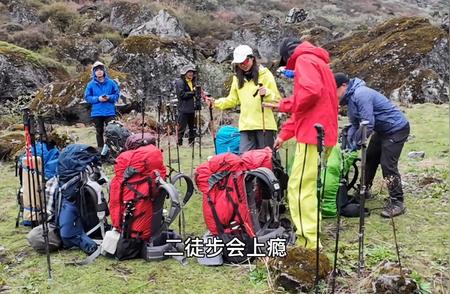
<point x="364" y="106"/>
<point x="307" y="87"/>
<point x="89" y="95"/>
<point x="114" y="96"/>
<point x="287" y="130"/>
<point x="181" y="93"/>
<point x="232" y="100"/>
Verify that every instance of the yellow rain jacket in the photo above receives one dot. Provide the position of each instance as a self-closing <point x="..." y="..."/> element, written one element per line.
<point x="251" y="111"/>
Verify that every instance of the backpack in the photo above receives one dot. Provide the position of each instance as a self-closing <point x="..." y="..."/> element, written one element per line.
<point x="79" y="206"/>
<point x="137" y="196"/>
<point x="28" y="209"/>
<point x="135" y="141"/>
<point x="116" y="135"/>
<point x="241" y="197"/>
<point x="227" y="140"/>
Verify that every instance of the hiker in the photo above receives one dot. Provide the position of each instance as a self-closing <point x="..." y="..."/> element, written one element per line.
<point x="252" y="84"/>
<point x="314" y="100"/>
<point x="389" y="128"/>
<point x="185" y="89"/>
<point x="102" y="93"/>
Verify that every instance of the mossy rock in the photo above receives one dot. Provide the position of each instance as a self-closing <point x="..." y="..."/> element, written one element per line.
<point x="296" y="271"/>
<point x="64" y="101"/>
<point x="147" y="44"/>
<point x="10" y="144"/>
<point x="20" y="56"/>
<point x="385" y="55"/>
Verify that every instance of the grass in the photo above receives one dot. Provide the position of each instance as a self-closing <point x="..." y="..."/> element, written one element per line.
<point x="422" y="234"/>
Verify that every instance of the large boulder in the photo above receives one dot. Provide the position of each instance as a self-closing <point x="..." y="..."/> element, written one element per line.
<point x="64" y="101"/>
<point x="83" y="50"/>
<point x="163" y="25"/>
<point x="153" y="62"/>
<point x="22" y="72"/>
<point x="405" y="58"/>
<point x="265" y="37"/>
<point x="22" y="12"/>
<point x="125" y="16"/>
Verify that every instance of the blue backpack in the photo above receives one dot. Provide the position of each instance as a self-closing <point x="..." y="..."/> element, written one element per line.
<point x="82" y="207"/>
<point x="227" y="140"/>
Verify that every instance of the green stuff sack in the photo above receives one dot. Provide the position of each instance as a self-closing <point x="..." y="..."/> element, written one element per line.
<point x="332" y="178"/>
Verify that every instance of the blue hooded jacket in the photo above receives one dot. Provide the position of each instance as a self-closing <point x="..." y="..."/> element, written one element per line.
<point x="95" y="89"/>
<point x="365" y="103"/>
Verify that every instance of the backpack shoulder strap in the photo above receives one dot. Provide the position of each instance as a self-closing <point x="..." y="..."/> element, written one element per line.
<point x="190" y="186"/>
<point x="269" y="178"/>
<point x="175" y="199"/>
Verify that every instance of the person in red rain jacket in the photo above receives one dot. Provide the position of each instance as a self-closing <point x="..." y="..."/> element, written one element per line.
<point x="314" y="100"/>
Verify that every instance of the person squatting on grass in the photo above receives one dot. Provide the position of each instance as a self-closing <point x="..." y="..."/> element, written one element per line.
<point x="252" y="84"/>
<point x="389" y="129"/>
<point x="102" y="93"/>
<point x="185" y="89"/>
<point x="314" y="100"/>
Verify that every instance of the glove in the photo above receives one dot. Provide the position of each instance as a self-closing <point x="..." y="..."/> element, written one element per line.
<point x="287" y="73"/>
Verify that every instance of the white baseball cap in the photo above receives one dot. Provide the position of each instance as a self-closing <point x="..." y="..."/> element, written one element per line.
<point x="241" y="52"/>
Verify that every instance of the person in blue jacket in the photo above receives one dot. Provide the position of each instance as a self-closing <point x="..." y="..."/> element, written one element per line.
<point x="389" y="128"/>
<point x="102" y="93"/>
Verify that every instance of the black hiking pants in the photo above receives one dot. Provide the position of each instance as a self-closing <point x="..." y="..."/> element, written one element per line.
<point x="100" y="122"/>
<point x="186" y="119"/>
<point x="256" y="139"/>
<point x="385" y="150"/>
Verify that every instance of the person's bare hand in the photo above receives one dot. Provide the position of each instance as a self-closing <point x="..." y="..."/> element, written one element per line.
<point x="103" y="98"/>
<point x="278" y="143"/>
<point x="210" y="101"/>
<point x="273" y="106"/>
<point x="262" y="91"/>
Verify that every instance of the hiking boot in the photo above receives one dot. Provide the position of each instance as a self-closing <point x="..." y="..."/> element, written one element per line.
<point x="393" y="208"/>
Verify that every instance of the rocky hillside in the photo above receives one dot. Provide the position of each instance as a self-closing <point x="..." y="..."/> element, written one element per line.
<point x="48" y="45"/>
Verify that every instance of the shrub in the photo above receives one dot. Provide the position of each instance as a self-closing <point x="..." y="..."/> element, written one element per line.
<point x="60" y="15"/>
<point x="113" y="37"/>
<point x="32" y="39"/>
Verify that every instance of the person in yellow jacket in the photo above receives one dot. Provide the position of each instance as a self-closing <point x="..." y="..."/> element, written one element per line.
<point x="252" y="85"/>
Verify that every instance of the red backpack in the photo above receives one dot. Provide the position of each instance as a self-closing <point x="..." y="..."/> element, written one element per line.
<point x="235" y="190"/>
<point x="136" y="202"/>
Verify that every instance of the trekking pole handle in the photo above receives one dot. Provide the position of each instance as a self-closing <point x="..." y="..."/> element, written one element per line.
<point x="41" y="128"/>
<point x="363" y="125"/>
<point x="320" y="137"/>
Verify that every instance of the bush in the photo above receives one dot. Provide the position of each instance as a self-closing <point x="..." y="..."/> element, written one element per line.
<point x="60" y="15"/>
<point x="31" y="39"/>
<point x="113" y="37"/>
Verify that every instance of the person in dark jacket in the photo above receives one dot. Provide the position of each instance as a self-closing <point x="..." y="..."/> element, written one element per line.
<point x="102" y="93"/>
<point x="185" y="90"/>
<point x="389" y="129"/>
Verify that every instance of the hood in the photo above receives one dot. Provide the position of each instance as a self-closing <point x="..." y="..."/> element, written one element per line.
<point x="98" y="63"/>
<point x="353" y="84"/>
<point x="307" y="48"/>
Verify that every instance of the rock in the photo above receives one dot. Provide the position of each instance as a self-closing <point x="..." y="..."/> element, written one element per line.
<point x="22" y="72"/>
<point x="12" y="27"/>
<point x="387" y="55"/>
<point x="395" y="285"/>
<point x="296" y="272"/>
<point x="83" y="50"/>
<point x="214" y="78"/>
<point x="10" y="144"/>
<point x="80" y="125"/>
<point x="22" y="12"/>
<point x="97" y="12"/>
<point x="64" y="101"/>
<point x="162" y="25"/>
<point x="106" y="46"/>
<point x="416" y="154"/>
<point x="153" y="62"/>
<point x="125" y="16"/>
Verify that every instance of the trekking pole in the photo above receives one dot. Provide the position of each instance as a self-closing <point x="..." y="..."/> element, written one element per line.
<point x="263" y="116"/>
<point x="320" y="146"/>
<point x="43" y="137"/>
<point x="198" y="102"/>
<point x="342" y="183"/>
<point x="211" y="123"/>
<point x="168" y="129"/>
<point x="143" y="117"/>
<point x="176" y="137"/>
<point x="159" y="105"/>
<point x="30" y="176"/>
<point x="362" y="197"/>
